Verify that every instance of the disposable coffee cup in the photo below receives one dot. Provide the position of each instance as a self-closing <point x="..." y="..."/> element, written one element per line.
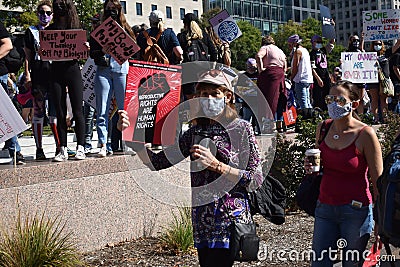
<point x="314" y="157"/>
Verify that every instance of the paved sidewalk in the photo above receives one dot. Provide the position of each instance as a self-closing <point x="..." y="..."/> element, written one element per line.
<point x="28" y="147"/>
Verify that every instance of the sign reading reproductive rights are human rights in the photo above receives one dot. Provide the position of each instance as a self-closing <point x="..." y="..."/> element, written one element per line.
<point x="63" y="44"/>
<point x="381" y="24"/>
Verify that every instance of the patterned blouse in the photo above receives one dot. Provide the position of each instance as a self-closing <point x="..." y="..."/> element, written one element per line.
<point x="215" y="199"/>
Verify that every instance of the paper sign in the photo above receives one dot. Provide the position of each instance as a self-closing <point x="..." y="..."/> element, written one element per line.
<point x="88" y="73"/>
<point x="63" y="44"/>
<point x="290" y="116"/>
<point x="115" y="40"/>
<point x="152" y="92"/>
<point x="225" y="26"/>
<point x="360" y="67"/>
<point x="11" y="122"/>
<point x="328" y="30"/>
<point x="381" y="24"/>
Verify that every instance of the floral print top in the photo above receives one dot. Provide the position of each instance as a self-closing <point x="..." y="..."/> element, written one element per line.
<point x="216" y="200"/>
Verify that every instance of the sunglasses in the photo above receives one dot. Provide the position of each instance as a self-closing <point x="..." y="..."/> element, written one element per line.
<point x="341" y="100"/>
<point x="42" y="12"/>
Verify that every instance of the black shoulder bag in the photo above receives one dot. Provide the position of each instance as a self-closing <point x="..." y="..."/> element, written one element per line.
<point x="308" y="191"/>
<point x="244" y="242"/>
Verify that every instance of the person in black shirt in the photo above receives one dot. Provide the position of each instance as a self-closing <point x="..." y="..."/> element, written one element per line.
<point x="66" y="73"/>
<point x="319" y="64"/>
<point x="37" y="73"/>
<point x="5" y="47"/>
<point x="394" y="68"/>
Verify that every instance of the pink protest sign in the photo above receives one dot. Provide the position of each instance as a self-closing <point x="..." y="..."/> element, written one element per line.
<point x="115" y="40"/>
<point x="63" y="44"/>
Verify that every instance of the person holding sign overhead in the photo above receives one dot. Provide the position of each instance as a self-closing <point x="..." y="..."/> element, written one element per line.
<point x="373" y="88"/>
<point x="37" y="73"/>
<point x="357" y="45"/>
<point x="66" y="73"/>
<point x="110" y="76"/>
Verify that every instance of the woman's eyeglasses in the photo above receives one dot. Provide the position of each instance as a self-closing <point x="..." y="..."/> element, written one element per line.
<point x="42" y="12"/>
<point x="341" y="100"/>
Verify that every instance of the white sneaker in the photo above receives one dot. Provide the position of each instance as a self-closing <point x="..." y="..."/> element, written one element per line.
<point x="103" y="152"/>
<point x="80" y="153"/>
<point x="62" y="155"/>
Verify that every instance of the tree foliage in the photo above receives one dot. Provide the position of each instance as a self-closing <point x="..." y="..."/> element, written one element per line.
<point x="245" y="46"/>
<point x="307" y="29"/>
<point x="242" y="48"/>
<point x="86" y="9"/>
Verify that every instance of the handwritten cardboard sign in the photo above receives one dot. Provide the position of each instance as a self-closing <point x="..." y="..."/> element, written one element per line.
<point x="360" y="67"/>
<point x="113" y="38"/>
<point x="63" y="44"/>
<point x="11" y="122"/>
<point x="225" y="26"/>
<point x="381" y="24"/>
<point x="88" y="73"/>
<point x="152" y="92"/>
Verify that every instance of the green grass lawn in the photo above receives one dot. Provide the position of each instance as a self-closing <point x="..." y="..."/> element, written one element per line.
<point x="46" y="131"/>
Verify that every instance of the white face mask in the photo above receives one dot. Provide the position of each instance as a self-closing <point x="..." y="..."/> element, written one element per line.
<point x="336" y="111"/>
<point x="212" y="107"/>
<point x="318" y="45"/>
<point x="377" y="47"/>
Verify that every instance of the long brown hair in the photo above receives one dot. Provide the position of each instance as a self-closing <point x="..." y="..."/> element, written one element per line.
<point x="71" y="16"/>
<point x="121" y="19"/>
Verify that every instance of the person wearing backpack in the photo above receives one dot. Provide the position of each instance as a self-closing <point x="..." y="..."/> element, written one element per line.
<point x="164" y="40"/>
<point x="195" y="42"/>
<point x="110" y="77"/>
<point x="222" y="47"/>
<point x="197" y="46"/>
<point x="349" y="151"/>
<point x="5" y="47"/>
<point x="37" y="73"/>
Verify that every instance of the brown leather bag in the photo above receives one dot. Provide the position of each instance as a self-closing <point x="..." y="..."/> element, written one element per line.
<point x="153" y="52"/>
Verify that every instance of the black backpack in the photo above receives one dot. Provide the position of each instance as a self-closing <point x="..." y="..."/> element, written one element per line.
<point x="15" y="59"/>
<point x="387" y="207"/>
<point x="197" y="50"/>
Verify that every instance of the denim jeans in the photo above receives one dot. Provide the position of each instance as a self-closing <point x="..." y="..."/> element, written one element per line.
<point x="107" y="82"/>
<point x="345" y="227"/>
<point x="302" y="93"/>
<point x="88" y="113"/>
<point x="11" y="144"/>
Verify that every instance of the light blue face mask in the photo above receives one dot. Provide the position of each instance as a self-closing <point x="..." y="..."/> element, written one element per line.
<point x="212" y="107"/>
<point x="318" y="45"/>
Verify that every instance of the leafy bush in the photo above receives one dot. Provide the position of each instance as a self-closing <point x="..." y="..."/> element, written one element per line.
<point x="179" y="235"/>
<point x="37" y="241"/>
<point x="387" y="132"/>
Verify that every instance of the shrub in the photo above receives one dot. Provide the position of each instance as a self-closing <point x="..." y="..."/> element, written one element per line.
<point x="179" y="235"/>
<point x="387" y="132"/>
<point x="37" y="241"/>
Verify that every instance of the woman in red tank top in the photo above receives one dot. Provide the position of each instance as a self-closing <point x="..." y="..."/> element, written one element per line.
<point x="350" y="150"/>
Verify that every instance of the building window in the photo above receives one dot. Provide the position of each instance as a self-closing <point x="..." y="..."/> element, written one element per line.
<point x="297" y="15"/>
<point x="123" y="4"/>
<point x="296" y="3"/>
<point x="247" y="9"/>
<point x="236" y="8"/>
<point x="139" y="9"/>
<point x="196" y="12"/>
<point x="168" y="12"/>
<point x="256" y="9"/>
<point x="304" y="4"/>
<point x="182" y="12"/>
<point x="153" y="7"/>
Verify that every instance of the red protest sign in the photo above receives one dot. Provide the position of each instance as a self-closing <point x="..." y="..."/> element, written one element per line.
<point x="115" y="40"/>
<point x="63" y="44"/>
<point x="152" y="92"/>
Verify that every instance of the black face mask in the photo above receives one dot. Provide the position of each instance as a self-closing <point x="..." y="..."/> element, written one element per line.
<point x="111" y="13"/>
<point x="356" y="44"/>
<point x="60" y="9"/>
